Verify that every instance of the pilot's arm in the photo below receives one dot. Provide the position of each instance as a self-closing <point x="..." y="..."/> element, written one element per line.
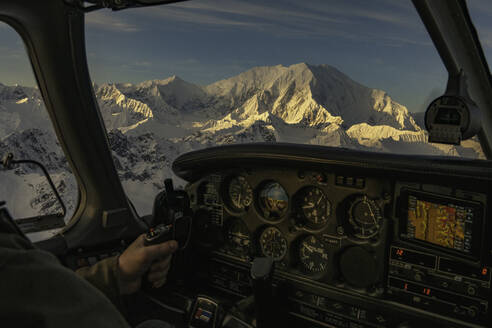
<point x="37" y="291"/>
<point x="123" y="275"/>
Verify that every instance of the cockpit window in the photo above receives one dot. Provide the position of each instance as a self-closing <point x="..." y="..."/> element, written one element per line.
<point x="27" y="132"/>
<point x="481" y="15"/>
<point x="181" y="77"/>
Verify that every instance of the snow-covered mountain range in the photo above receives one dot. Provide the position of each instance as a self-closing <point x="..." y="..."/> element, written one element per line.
<point x="153" y="122"/>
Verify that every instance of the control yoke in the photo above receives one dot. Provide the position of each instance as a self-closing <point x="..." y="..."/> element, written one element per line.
<point x="172" y="217"/>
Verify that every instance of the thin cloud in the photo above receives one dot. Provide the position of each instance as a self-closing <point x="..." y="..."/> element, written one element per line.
<point x="259" y="11"/>
<point x="398" y="15"/>
<point x="109" y="21"/>
<point x="143" y="64"/>
<point x="190" y="16"/>
<point x="294" y="20"/>
<point x="397" y="40"/>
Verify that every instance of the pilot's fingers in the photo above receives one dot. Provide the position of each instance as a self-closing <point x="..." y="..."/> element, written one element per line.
<point x="161" y="265"/>
<point x="154" y="252"/>
<point x="158" y="284"/>
<point x="158" y="276"/>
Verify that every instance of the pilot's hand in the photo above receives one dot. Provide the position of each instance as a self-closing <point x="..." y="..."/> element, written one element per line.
<point x="139" y="259"/>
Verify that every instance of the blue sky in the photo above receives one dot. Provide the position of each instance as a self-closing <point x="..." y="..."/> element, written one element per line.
<point x="379" y="43"/>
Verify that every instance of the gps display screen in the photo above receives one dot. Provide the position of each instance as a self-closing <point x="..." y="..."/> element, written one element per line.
<point x="444" y="222"/>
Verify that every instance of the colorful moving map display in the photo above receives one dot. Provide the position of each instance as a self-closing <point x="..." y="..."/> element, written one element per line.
<point x="446" y="225"/>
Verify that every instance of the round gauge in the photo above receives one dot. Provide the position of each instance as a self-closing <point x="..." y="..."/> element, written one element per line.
<point x="273" y="201"/>
<point x="273" y="244"/>
<point x="240" y="193"/>
<point x="238" y="237"/>
<point x="364" y="217"/>
<point x="313" y="206"/>
<point x="313" y="254"/>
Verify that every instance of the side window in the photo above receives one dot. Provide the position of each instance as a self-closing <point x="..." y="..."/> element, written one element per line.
<point x="27" y="132"/>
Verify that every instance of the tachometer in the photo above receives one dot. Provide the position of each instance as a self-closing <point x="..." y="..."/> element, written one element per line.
<point x="313" y="254"/>
<point x="313" y="207"/>
<point x="273" y="201"/>
<point x="273" y="243"/>
<point x="240" y="193"/>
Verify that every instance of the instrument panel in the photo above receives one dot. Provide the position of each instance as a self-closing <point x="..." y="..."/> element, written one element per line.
<point x="337" y="233"/>
<point x="311" y="223"/>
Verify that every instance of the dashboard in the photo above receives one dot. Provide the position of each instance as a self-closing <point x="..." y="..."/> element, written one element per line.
<point x="340" y="232"/>
<point x="357" y="239"/>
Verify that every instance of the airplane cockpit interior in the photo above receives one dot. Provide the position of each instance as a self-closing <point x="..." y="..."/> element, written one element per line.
<point x="298" y="197"/>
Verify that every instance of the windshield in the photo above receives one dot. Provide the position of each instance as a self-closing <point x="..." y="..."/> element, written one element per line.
<point x="176" y="78"/>
<point x="481" y="15"/>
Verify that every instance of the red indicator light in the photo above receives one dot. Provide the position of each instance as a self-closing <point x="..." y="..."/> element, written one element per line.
<point x="427" y="291"/>
<point x="484" y="271"/>
<point x="405" y="286"/>
<point x="399" y="252"/>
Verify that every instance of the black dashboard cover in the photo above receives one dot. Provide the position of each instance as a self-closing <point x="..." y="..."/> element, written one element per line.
<point x="191" y="166"/>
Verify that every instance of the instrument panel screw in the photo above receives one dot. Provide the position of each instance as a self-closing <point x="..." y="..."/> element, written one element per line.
<point x="340" y="230"/>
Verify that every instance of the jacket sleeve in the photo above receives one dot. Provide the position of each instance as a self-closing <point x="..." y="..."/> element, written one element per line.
<point x="37" y="291"/>
<point x="104" y="275"/>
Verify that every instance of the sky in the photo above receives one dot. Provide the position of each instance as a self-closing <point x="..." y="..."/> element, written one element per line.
<point x="379" y="43"/>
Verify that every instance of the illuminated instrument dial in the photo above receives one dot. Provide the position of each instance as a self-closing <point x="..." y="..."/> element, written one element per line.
<point x="313" y="254"/>
<point x="240" y="193"/>
<point x="238" y="237"/>
<point x="273" y="244"/>
<point x="313" y="206"/>
<point x="364" y="217"/>
<point x="273" y="201"/>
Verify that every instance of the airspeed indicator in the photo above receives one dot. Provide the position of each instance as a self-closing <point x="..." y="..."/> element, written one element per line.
<point x="240" y="193"/>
